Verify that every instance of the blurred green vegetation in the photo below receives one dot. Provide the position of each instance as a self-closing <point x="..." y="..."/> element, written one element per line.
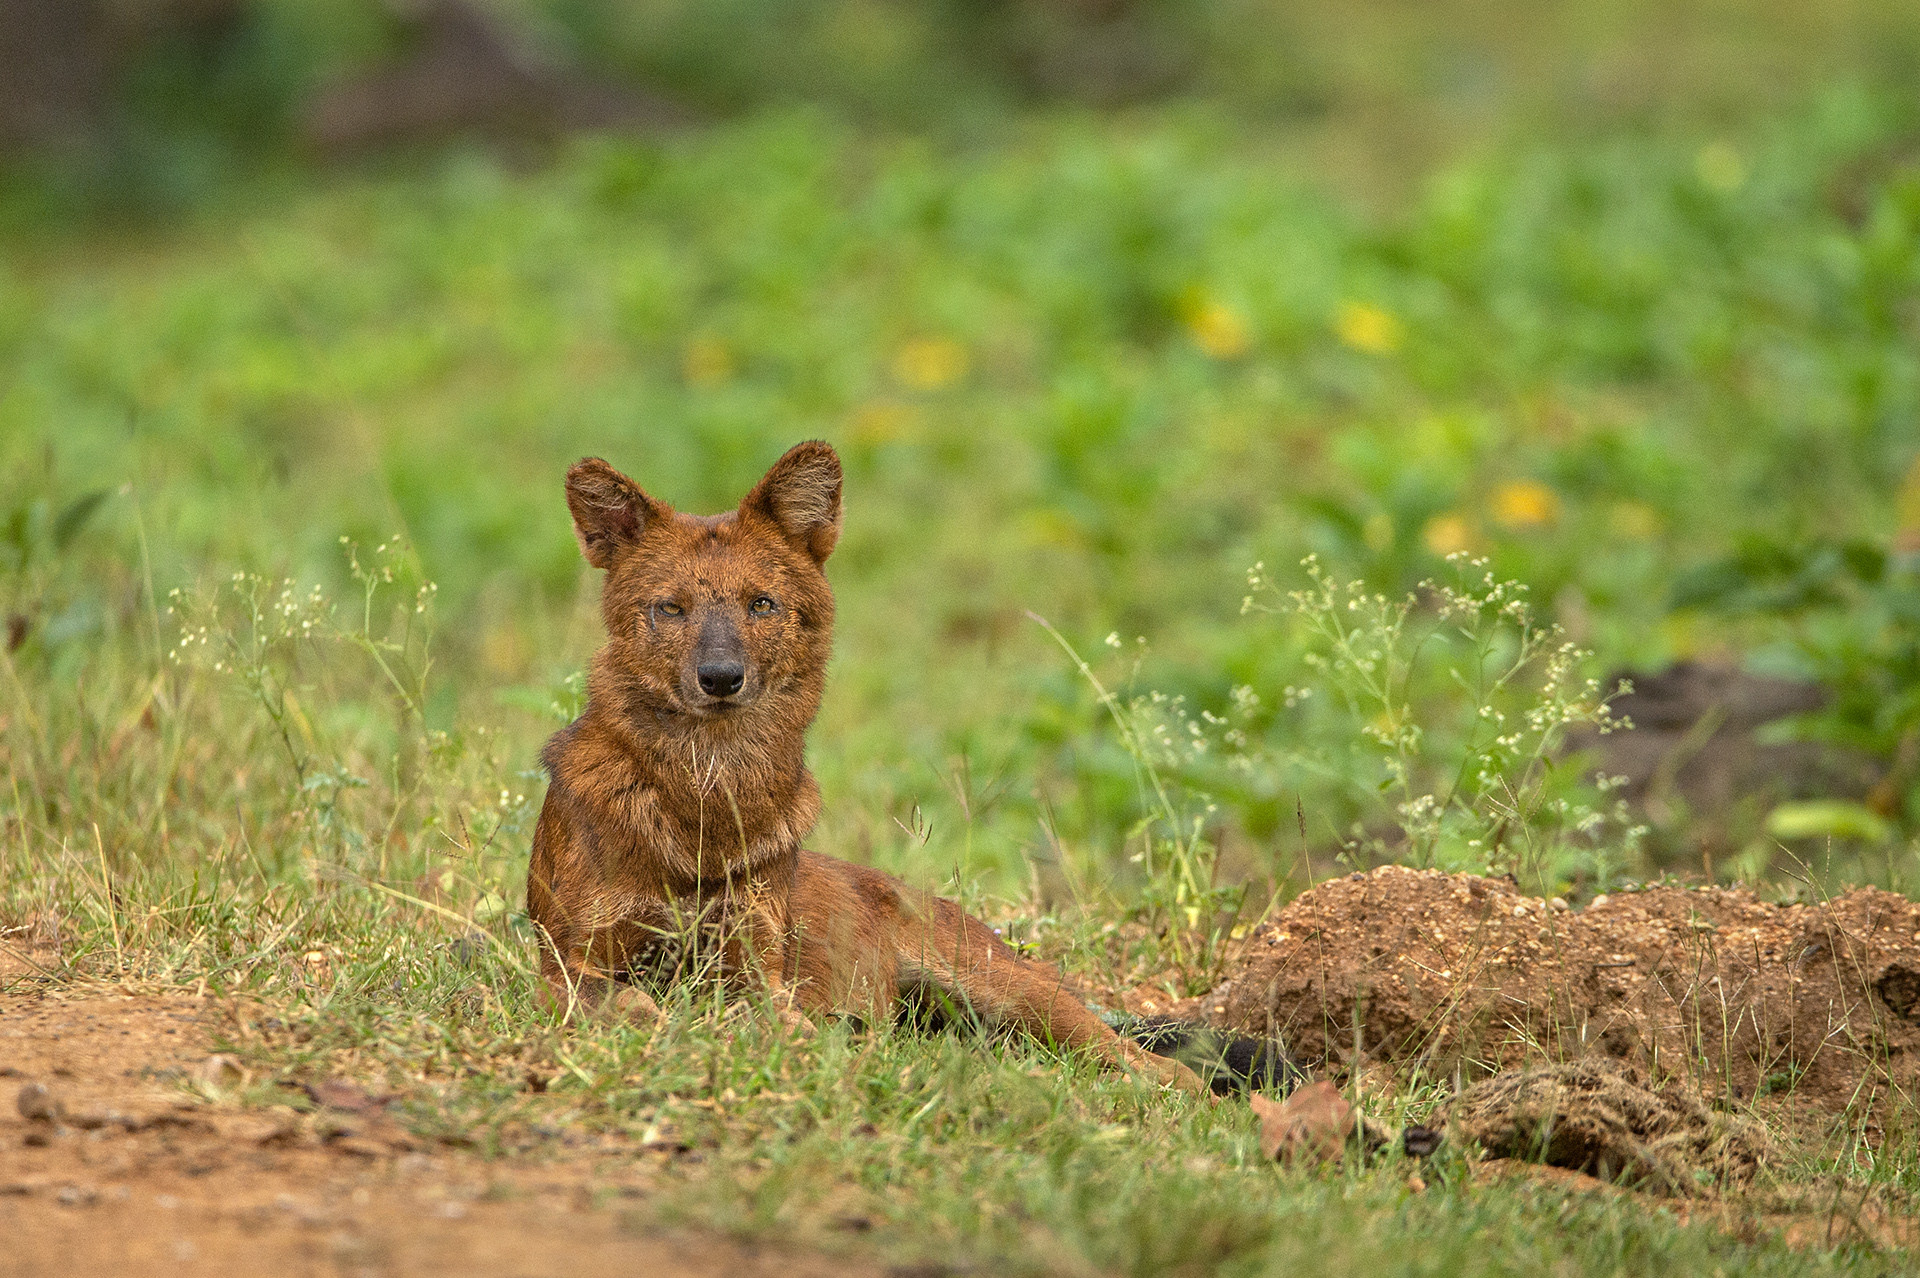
<point x="1091" y="367"/>
<point x="1369" y="94"/>
<point x="1102" y="304"/>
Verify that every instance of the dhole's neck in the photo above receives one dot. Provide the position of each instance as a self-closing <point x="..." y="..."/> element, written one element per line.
<point x="704" y="798"/>
<point x="676" y="751"/>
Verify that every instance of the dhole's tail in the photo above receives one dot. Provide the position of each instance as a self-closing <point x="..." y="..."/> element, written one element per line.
<point x="1230" y="1063"/>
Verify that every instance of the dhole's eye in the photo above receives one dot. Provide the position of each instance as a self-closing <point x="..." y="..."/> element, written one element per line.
<point x="761" y="606"/>
<point x="668" y="609"/>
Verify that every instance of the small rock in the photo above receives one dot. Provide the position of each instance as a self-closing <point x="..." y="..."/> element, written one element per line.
<point x="220" y="1073"/>
<point x="36" y="1104"/>
<point x="333" y="1093"/>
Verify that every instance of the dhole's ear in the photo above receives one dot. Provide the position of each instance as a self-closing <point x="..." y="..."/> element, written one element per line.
<point x="801" y="494"/>
<point x="609" y="510"/>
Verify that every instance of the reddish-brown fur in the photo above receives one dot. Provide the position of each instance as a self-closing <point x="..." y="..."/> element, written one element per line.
<point x="671" y="830"/>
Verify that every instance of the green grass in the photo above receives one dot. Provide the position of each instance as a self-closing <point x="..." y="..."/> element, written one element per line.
<point x="1092" y="369"/>
<point x="951" y="1147"/>
<point x="1011" y="348"/>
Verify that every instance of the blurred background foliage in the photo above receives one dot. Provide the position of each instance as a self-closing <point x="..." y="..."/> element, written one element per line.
<point x="1102" y="303"/>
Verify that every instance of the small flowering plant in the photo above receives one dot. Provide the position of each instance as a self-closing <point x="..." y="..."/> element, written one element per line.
<point x="1463" y="701"/>
<point x="1171" y="841"/>
<point x="374" y="794"/>
<point x="254" y="629"/>
<point x="1437" y="720"/>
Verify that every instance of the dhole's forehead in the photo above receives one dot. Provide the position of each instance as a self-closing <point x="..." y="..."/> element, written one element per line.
<point x="717" y="553"/>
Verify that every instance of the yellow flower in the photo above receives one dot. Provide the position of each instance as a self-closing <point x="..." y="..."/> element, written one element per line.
<point x="1217" y="328"/>
<point x="1377" y="532"/>
<point x="1447" y="534"/>
<point x="881" y="422"/>
<point x="930" y="363"/>
<point x="1525" y="503"/>
<point x="1720" y="168"/>
<point x="1680" y="633"/>
<point x="1369" y="328"/>
<point x="502" y="651"/>
<point x="706" y="361"/>
<point x="1906" y="509"/>
<point x="1634" y="520"/>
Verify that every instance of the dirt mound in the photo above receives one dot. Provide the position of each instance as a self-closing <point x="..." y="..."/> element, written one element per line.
<point x="1595" y="1116"/>
<point x="1466" y="974"/>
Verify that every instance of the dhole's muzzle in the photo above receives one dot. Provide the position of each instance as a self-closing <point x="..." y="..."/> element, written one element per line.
<point x="720" y="673"/>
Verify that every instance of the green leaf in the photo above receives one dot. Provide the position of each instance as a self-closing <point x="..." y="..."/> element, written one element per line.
<point x="75" y="516"/>
<point x="1827" y="818"/>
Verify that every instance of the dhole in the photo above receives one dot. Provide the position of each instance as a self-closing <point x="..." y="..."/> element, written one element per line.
<point x="678" y="800"/>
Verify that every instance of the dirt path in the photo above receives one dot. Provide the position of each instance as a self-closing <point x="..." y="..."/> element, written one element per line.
<point x="130" y="1174"/>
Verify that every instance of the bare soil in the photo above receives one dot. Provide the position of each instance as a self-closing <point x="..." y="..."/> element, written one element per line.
<point x="1815" y="1003"/>
<point x="127" y="1171"/>
<point x="1698" y="766"/>
<point x="1638" y="1036"/>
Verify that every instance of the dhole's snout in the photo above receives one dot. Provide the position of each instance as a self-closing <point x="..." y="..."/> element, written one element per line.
<point x="720" y="661"/>
<point x="720" y="678"/>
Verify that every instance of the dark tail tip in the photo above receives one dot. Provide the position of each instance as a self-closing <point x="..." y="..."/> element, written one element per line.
<point x="1230" y="1063"/>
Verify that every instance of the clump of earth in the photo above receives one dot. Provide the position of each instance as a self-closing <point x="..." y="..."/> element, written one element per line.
<point x="1459" y="976"/>
<point x="1598" y="1116"/>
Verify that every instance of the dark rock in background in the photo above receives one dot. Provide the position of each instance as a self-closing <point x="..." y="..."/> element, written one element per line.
<point x="1697" y="755"/>
<point x="469" y="72"/>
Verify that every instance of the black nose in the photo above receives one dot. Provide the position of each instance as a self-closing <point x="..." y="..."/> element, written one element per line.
<point x="721" y="678"/>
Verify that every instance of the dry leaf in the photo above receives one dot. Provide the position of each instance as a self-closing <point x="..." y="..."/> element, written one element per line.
<point x="1313" y="1123"/>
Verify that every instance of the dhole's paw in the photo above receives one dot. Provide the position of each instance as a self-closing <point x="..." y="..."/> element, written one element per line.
<point x="630" y="1004"/>
<point x="1168" y="1073"/>
<point x="796" y="1022"/>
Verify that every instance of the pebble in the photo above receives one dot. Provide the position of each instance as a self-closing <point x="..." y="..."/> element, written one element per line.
<point x="220" y="1073"/>
<point x="36" y="1104"/>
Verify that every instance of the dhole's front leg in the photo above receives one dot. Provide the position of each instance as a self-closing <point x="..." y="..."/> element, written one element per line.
<point x="755" y="934"/>
<point x="576" y="992"/>
<point x="757" y="960"/>
<point x="572" y="985"/>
